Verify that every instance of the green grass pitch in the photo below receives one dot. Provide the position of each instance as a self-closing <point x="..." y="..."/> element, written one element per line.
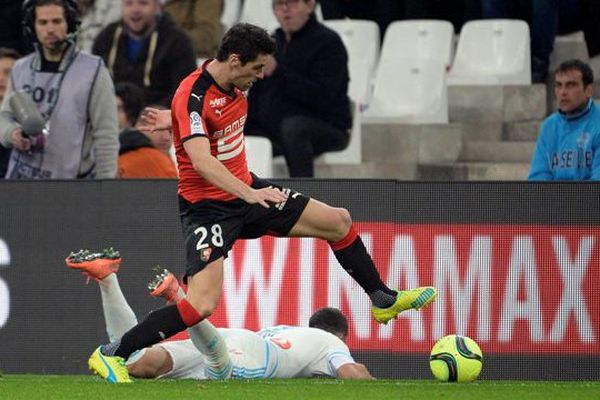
<point x="47" y="387"/>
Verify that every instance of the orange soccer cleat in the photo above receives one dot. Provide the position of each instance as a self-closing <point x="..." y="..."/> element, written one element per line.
<point x="95" y="265"/>
<point x="164" y="285"/>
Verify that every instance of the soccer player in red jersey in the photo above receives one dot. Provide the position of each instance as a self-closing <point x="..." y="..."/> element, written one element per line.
<point x="221" y="201"/>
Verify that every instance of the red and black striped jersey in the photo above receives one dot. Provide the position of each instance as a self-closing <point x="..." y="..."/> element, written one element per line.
<point x="201" y="108"/>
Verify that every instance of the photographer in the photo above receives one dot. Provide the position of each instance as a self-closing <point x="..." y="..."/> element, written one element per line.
<point x="70" y="92"/>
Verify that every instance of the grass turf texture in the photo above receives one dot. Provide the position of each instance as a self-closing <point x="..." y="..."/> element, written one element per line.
<point x="47" y="387"/>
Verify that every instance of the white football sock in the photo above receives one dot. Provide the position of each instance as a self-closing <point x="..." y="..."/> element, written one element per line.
<point x="118" y="314"/>
<point x="212" y="345"/>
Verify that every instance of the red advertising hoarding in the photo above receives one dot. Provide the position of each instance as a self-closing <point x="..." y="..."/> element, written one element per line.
<point x="512" y="288"/>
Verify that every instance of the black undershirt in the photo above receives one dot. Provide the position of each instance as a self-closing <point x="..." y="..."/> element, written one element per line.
<point x="50" y="66"/>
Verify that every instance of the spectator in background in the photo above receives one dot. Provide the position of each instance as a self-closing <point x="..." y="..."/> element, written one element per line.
<point x="7" y="60"/>
<point x="130" y="103"/>
<point x="568" y="147"/>
<point x="575" y="15"/>
<point x="302" y="105"/>
<point x="201" y="20"/>
<point x="11" y="31"/>
<point x="74" y="94"/>
<point x="138" y="155"/>
<point x="95" y="16"/>
<point x="138" y="158"/>
<point x="542" y="16"/>
<point x="146" y="48"/>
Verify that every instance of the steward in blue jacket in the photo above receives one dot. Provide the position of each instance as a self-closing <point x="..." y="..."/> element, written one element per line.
<point x="568" y="147"/>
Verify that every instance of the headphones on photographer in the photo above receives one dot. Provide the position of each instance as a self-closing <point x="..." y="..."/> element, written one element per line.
<point x="71" y="15"/>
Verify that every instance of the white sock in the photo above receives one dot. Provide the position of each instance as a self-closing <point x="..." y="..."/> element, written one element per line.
<point x="180" y="293"/>
<point x="211" y="344"/>
<point x="118" y="314"/>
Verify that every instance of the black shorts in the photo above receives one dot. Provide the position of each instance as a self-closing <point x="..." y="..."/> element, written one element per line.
<point x="211" y="227"/>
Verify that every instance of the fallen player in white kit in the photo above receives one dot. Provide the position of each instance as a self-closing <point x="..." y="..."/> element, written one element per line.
<point x="227" y="353"/>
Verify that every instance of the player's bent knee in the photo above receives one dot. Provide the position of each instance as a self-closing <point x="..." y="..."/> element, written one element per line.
<point x="346" y="218"/>
<point x="205" y="307"/>
<point x="139" y="369"/>
<point x="152" y="363"/>
<point x="343" y="222"/>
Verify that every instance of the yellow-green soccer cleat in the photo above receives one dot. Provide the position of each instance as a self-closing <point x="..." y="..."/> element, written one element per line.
<point x="405" y="300"/>
<point x="111" y="369"/>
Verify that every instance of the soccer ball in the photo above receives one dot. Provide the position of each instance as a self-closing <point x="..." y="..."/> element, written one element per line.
<point x="456" y="358"/>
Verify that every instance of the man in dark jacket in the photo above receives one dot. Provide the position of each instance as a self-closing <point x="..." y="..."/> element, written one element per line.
<point x="146" y="48"/>
<point x="11" y="31"/>
<point x="302" y="105"/>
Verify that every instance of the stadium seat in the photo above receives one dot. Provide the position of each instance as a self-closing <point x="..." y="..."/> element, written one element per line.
<point x="409" y="91"/>
<point x="259" y="12"/>
<point x="319" y="12"/>
<point x="353" y="153"/>
<point x="492" y="52"/>
<point x="231" y="13"/>
<point x="361" y="39"/>
<point x="567" y="47"/>
<point x="259" y="152"/>
<point x="425" y="39"/>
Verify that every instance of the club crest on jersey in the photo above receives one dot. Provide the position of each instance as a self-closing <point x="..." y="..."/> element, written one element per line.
<point x="583" y="139"/>
<point x="196" y="124"/>
<point x="205" y="254"/>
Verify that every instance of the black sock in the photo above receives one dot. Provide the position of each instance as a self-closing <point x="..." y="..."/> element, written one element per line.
<point x="359" y="265"/>
<point x="381" y="299"/>
<point x="158" y="325"/>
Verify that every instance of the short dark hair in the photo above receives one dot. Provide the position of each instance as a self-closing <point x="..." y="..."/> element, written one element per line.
<point x="330" y="320"/>
<point x="133" y="100"/>
<point x="70" y="12"/>
<point x="246" y="40"/>
<point x="6" y="52"/>
<point x="587" y="75"/>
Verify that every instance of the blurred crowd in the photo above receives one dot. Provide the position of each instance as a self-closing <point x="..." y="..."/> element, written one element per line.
<point x="92" y="78"/>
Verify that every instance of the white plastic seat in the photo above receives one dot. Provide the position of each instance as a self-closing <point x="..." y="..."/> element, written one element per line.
<point x="361" y="82"/>
<point x="231" y="13"/>
<point x="492" y="52"/>
<point x="318" y="12"/>
<point x="259" y="154"/>
<point x="425" y="39"/>
<point x="260" y="13"/>
<point x="409" y="91"/>
<point x="361" y="38"/>
<point x="568" y="47"/>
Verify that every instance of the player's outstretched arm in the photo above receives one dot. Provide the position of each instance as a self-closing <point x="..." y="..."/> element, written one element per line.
<point x="353" y="371"/>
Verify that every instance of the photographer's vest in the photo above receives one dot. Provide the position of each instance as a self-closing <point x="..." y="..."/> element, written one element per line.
<point x="63" y="99"/>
